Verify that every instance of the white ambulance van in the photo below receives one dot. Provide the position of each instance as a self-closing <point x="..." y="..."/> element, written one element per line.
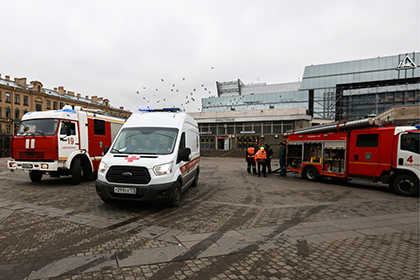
<point x="155" y="157"/>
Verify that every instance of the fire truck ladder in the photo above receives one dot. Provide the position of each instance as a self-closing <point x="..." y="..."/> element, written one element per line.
<point x="336" y="127"/>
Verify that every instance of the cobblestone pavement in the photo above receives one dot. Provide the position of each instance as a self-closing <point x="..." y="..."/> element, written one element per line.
<point x="232" y="226"/>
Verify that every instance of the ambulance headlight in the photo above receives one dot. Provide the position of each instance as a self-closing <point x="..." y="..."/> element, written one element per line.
<point x="102" y="167"/>
<point x="163" y="169"/>
<point x="12" y="164"/>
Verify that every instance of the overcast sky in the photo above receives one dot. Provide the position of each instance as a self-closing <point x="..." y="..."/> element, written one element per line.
<point x="172" y="52"/>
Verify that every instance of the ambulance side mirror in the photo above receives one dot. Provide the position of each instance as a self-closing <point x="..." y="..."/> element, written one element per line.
<point x="185" y="155"/>
<point x="105" y="150"/>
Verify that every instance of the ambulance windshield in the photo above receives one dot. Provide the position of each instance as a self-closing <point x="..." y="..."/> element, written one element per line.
<point x="36" y="127"/>
<point x="146" y="140"/>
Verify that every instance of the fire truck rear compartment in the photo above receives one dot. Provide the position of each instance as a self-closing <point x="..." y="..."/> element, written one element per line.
<point x="329" y="155"/>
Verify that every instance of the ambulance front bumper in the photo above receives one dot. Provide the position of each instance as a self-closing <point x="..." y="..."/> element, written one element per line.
<point x="28" y="166"/>
<point x="157" y="192"/>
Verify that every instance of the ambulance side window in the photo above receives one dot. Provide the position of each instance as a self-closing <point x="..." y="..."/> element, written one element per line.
<point x="181" y="147"/>
<point x="367" y="140"/>
<point x="410" y="142"/>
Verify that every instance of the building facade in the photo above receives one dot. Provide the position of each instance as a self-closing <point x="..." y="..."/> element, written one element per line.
<point x="257" y="113"/>
<point x="336" y="91"/>
<point x="236" y="130"/>
<point x="353" y="89"/>
<point x="17" y="98"/>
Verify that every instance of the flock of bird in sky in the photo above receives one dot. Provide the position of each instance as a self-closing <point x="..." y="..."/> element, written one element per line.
<point x="185" y="94"/>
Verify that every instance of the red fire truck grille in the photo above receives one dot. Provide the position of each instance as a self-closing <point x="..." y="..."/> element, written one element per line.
<point x="31" y="155"/>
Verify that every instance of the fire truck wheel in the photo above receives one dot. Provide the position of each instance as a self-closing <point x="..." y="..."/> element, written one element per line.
<point x="35" y="175"/>
<point x="75" y="171"/>
<point x="176" y="199"/>
<point x="310" y="173"/>
<point x="406" y="185"/>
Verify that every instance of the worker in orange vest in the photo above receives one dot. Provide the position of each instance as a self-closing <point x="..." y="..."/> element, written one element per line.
<point x="250" y="159"/>
<point x="260" y="159"/>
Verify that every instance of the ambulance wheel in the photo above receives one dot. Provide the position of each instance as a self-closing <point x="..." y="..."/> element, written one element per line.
<point x="310" y="173"/>
<point x="406" y="185"/>
<point x="176" y="198"/>
<point x="75" y="171"/>
<point x="35" y="176"/>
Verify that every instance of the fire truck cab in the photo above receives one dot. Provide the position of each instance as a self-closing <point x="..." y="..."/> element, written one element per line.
<point x="379" y="154"/>
<point x="62" y="142"/>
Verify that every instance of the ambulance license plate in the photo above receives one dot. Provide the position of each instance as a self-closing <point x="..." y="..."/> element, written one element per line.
<point x="124" y="190"/>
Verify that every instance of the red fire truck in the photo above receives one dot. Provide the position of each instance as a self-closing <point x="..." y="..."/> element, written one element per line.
<point x="62" y="142"/>
<point x="358" y="149"/>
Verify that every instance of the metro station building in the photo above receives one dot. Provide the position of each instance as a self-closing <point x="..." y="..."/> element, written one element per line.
<point x="260" y="113"/>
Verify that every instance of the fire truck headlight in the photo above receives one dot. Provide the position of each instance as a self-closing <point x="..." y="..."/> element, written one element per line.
<point x="102" y="167"/>
<point x="163" y="169"/>
<point x="44" y="166"/>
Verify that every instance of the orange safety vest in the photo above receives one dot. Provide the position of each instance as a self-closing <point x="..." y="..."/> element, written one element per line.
<point x="261" y="154"/>
<point x="251" y="152"/>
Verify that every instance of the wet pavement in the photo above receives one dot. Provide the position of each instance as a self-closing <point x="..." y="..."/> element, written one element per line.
<point x="231" y="226"/>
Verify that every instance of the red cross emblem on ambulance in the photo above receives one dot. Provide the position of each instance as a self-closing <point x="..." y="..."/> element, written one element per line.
<point x="132" y="158"/>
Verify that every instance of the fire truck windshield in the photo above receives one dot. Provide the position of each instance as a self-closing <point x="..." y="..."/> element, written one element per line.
<point x="41" y="127"/>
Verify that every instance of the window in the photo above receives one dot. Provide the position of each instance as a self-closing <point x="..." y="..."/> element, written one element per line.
<point x="61" y="105"/>
<point x="221" y="129"/>
<point x="54" y="105"/>
<point x="257" y="127"/>
<point x="203" y="127"/>
<point x="277" y="128"/>
<point x="38" y="107"/>
<point x="17" y="114"/>
<point x="48" y="104"/>
<point x="0" y="95"/>
<point x="98" y="127"/>
<point x="38" y="127"/>
<point x="8" y="114"/>
<point x="287" y="126"/>
<point x="146" y="140"/>
<point x="8" y="129"/>
<point x="411" y="142"/>
<point x="238" y="128"/>
<point x="181" y="147"/>
<point x="267" y="127"/>
<point x="248" y="127"/>
<point x="68" y="128"/>
<point x="7" y="97"/>
<point x="17" y="99"/>
<point x="367" y="140"/>
<point x="25" y="100"/>
<point x="230" y="128"/>
<point x="213" y="129"/>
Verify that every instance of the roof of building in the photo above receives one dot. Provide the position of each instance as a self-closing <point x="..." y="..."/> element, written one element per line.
<point x="69" y="95"/>
<point x="252" y="115"/>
